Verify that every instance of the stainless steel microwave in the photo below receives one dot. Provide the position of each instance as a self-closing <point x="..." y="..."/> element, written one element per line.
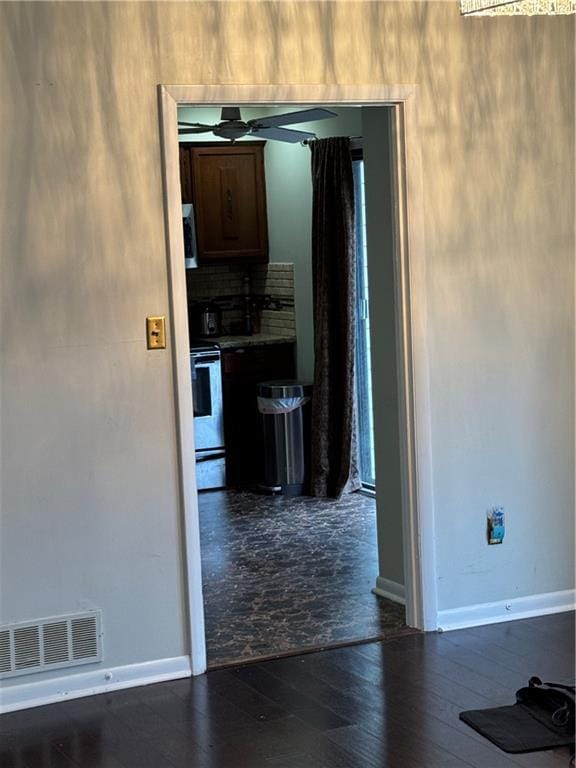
<point x="190" y="247"/>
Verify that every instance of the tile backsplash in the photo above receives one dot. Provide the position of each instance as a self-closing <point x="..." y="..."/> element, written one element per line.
<point x="271" y="289"/>
<point x="277" y="282"/>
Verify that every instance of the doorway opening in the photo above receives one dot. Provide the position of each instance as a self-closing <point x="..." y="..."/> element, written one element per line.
<point x="283" y="570"/>
<point x="408" y="518"/>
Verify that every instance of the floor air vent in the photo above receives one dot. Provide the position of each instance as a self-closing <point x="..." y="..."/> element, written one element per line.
<point x="60" y="641"/>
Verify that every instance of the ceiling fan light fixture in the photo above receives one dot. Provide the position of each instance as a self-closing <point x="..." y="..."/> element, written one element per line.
<point x="517" y="7"/>
<point x="232" y="130"/>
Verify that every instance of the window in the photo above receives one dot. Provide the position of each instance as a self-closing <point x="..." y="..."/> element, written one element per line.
<point x="363" y="377"/>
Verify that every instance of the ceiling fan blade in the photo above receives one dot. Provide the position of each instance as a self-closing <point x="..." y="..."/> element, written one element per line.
<point x="197" y="129"/>
<point x="291" y="118"/>
<point x="283" y="134"/>
<point x="230" y="113"/>
<point x="195" y="125"/>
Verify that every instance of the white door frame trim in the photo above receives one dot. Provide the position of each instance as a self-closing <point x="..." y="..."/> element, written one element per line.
<point x="410" y="267"/>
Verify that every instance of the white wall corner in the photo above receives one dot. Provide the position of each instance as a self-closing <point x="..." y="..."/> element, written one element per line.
<point x="506" y="610"/>
<point x="391" y="590"/>
<point x="100" y="680"/>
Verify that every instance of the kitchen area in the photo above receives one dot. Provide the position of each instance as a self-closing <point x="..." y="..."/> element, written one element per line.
<point x="234" y="349"/>
<point x="241" y="308"/>
<point x="282" y="571"/>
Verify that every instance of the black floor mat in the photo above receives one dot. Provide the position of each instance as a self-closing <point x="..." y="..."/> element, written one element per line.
<point x="514" y="730"/>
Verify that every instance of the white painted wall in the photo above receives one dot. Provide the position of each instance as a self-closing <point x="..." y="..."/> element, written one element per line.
<point x="289" y="205"/>
<point x="378" y="180"/>
<point x="89" y="499"/>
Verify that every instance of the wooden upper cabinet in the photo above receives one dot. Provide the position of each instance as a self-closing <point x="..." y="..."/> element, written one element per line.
<point x="186" y="174"/>
<point x="228" y="189"/>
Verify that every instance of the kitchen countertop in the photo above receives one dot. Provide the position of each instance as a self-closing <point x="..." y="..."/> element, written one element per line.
<point x="230" y="342"/>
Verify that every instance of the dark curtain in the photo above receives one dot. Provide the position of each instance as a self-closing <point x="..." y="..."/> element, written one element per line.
<point x="334" y="462"/>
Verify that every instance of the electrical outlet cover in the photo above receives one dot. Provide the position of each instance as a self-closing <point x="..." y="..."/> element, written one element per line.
<point x="496" y="528"/>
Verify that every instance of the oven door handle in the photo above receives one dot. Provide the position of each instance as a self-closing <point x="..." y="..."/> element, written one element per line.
<point x="212" y="457"/>
<point x="205" y="358"/>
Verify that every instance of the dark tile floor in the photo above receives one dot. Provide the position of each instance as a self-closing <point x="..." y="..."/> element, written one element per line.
<point x="283" y="575"/>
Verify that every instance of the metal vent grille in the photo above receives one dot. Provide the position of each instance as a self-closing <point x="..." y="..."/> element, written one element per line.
<point x="55" y="642"/>
<point x="5" y="656"/>
<point x="59" y="641"/>
<point x="26" y="647"/>
<point x="84" y="638"/>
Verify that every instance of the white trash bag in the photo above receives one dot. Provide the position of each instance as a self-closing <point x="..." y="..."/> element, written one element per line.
<point x="276" y="405"/>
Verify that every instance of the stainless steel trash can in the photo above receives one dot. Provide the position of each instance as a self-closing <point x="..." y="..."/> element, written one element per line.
<point x="283" y="409"/>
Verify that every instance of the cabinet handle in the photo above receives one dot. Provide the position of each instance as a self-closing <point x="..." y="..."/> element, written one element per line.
<point x="229" y="191"/>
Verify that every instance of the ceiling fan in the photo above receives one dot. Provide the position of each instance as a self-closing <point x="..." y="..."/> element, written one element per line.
<point x="232" y="126"/>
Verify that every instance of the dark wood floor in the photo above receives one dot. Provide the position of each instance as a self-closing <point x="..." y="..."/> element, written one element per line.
<point x="392" y="704"/>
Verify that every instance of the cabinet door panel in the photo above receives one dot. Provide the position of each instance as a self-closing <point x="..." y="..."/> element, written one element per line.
<point x="231" y="195"/>
<point x="278" y="358"/>
<point x="186" y="174"/>
<point x="241" y="374"/>
<point x="230" y="203"/>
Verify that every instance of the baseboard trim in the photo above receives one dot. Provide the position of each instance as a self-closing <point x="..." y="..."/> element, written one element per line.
<point x="507" y="610"/>
<point x="391" y="590"/>
<point x="101" y="680"/>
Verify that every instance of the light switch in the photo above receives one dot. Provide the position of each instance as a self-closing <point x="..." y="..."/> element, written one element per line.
<point x="156" y="332"/>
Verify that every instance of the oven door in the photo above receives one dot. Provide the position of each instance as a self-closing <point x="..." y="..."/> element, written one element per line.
<point x="207" y="398"/>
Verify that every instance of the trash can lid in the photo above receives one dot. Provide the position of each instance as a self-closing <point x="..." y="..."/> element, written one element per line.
<point x="282" y="388"/>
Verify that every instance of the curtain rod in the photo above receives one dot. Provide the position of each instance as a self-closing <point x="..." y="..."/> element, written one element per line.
<point x="356" y="142"/>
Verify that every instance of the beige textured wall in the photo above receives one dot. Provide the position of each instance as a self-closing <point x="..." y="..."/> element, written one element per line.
<point x="89" y="502"/>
